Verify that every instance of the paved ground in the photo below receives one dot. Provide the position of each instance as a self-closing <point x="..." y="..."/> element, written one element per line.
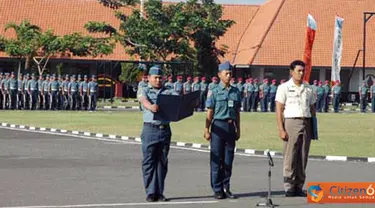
<point x="42" y="170"/>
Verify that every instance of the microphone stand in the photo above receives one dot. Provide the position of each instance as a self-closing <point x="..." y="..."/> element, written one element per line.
<point x="268" y="200"/>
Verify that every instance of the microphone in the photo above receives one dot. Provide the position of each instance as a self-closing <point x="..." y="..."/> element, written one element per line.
<point x="270" y="160"/>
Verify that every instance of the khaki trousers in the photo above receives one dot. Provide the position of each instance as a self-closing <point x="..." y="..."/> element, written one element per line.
<point x="296" y="152"/>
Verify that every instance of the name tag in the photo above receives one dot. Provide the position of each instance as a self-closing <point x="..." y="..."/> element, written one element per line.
<point x="230" y="103"/>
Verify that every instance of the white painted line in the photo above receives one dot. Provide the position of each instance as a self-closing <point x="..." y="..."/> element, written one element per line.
<point x="137" y="139"/>
<point x="22" y="127"/>
<point x="13" y="126"/>
<point x="370" y="159"/>
<point x="135" y="107"/>
<point x="32" y="128"/>
<point x="117" y="204"/>
<point x="180" y="144"/>
<point x="63" y="131"/>
<point x="75" y="132"/>
<point x="4" y="124"/>
<point x="249" y="151"/>
<point x="53" y="130"/>
<point x="107" y="107"/>
<point x="123" y="107"/>
<point x="197" y="145"/>
<point x="336" y="158"/>
<point x="99" y="135"/>
<point x="112" y="136"/>
<point x="42" y="129"/>
<point x="124" y="138"/>
<point x="86" y="133"/>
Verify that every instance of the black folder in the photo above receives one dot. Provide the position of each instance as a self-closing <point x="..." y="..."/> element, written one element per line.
<point x="176" y="107"/>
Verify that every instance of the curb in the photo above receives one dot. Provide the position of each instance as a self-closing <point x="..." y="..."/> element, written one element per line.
<point x="182" y="144"/>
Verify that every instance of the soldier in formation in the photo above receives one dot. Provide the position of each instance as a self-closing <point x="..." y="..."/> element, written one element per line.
<point x="29" y="92"/>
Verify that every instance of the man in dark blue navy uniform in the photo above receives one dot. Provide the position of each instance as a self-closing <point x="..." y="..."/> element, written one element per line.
<point x="222" y="130"/>
<point x="156" y="137"/>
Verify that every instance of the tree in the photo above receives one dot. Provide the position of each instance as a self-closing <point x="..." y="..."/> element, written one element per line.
<point x="24" y="44"/>
<point x="32" y="43"/>
<point x="156" y="36"/>
<point x="130" y="72"/>
<point x="182" y="31"/>
<point x="206" y="27"/>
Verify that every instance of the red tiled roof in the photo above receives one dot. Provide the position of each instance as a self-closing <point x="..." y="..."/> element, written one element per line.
<point x="242" y="15"/>
<point x="69" y="16"/>
<point x="257" y="31"/>
<point x="285" y="40"/>
<point x="63" y="17"/>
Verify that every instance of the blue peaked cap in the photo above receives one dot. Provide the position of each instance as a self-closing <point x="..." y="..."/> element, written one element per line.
<point x="155" y="70"/>
<point x="225" y="66"/>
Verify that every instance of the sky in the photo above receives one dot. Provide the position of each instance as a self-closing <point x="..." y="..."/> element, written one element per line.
<point x="232" y="1"/>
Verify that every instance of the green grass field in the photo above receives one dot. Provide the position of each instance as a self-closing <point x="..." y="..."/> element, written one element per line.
<point x="340" y="134"/>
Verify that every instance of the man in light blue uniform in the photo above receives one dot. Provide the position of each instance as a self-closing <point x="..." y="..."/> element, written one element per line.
<point x="13" y="89"/>
<point x="46" y="93"/>
<point x="255" y="97"/>
<point x="264" y="90"/>
<point x="336" y="94"/>
<point x="327" y="92"/>
<point x="178" y="85"/>
<point x="319" y="96"/>
<point x="53" y="90"/>
<point x="169" y="84"/>
<point x="6" y="91"/>
<point x="363" y="92"/>
<point x="156" y="138"/>
<point x="33" y="86"/>
<point x="203" y="95"/>
<point x="93" y="93"/>
<point x="1" y="90"/>
<point x="83" y="92"/>
<point x="20" y="92"/>
<point x="273" y="90"/>
<point x="187" y="86"/>
<point x="73" y="92"/>
<point x="240" y="86"/>
<point x="222" y="129"/>
<point x="372" y="96"/>
<point x="213" y="83"/>
<point x="143" y="83"/>
<point x="40" y="92"/>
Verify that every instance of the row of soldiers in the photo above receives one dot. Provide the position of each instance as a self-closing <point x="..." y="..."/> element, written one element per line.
<point x="253" y="92"/>
<point x="48" y="92"/>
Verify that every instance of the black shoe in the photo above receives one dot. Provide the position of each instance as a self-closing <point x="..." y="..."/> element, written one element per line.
<point x="300" y="193"/>
<point x="229" y="194"/>
<point x="151" y="198"/>
<point x="290" y="194"/>
<point x="162" y="198"/>
<point x="219" y="195"/>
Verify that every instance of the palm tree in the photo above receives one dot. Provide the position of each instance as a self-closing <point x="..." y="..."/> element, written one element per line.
<point x="24" y="44"/>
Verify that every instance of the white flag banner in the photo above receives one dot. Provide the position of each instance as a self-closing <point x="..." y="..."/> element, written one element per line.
<point x="337" y="49"/>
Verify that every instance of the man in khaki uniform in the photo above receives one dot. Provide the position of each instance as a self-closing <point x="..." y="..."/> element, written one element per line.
<point x="295" y="107"/>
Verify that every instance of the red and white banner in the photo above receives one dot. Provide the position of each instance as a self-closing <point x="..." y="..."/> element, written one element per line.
<point x="337" y="50"/>
<point x="309" y="41"/>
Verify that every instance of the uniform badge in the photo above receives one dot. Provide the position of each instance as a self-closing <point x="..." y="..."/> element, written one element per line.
<point x="230" y="103"/>
<point x="209" y="93"/>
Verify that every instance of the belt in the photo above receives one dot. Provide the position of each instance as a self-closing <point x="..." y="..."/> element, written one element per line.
<point x="54" y="90"/>
<point x="73" y="90"/>
<point x="299" y="118"/>
<point x="228" y="120"/>
<point x="84" y="90"/>
<point x="159" y="126"/>
<point x="13" y="88"/>
<point x="92" y="91"/>
<point x="33" y="89"/>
